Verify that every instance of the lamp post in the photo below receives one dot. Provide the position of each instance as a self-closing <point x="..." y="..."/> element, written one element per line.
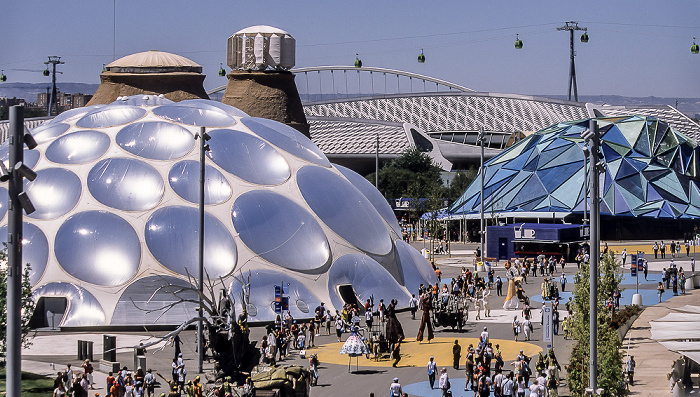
<point x="481" y="172"/>
<point x="592" y="135"/>
<point x="203" y="148"/>
<point x="18" y="201"/>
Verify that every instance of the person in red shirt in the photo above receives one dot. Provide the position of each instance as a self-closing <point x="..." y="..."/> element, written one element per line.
<point x="110" y="382"/>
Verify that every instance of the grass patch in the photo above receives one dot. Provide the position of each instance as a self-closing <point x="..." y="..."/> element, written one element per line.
<point x="33" y="385"/>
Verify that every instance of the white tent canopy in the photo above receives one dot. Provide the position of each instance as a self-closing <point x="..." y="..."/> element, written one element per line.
<point x="679" y="331"/>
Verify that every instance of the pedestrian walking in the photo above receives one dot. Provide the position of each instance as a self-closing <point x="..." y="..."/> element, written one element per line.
<point x="663" y="250"/>
<point x="413" y="305"/>
<point x="630" y="369"/>
<point x="444" y="383"/>
<point x="624" y="256"/>
<point x="646" y="270"/>
<point x="562" y="281"/>
<point x="395" y="388"/>
<point x="432" y="369"/>
<point x="516" y="327"/>
<point x="660" y="290"/>
<point x="499" y="286"/>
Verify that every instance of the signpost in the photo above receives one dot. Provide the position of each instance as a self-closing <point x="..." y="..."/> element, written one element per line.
<point x="547" y="326"/>
<point x="281" y="301"/>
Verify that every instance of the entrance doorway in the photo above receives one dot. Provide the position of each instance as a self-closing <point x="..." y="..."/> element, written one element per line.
<point x="502" y="248"/>
<point x="49" y="312"/>
<point x="347" y="294"/>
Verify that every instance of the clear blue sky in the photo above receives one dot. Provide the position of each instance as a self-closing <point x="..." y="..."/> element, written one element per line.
<point x="636" y="48"/>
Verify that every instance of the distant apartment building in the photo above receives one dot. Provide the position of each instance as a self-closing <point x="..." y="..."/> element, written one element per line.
<point x="65" y="101"/>
<point x="7" y="102"/>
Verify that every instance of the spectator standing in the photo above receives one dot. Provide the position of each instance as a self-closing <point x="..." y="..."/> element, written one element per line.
<point x="663" y="250"/>
<point x="456" y="354"/>
<point x="624" y="256"/>
<point x="432" y="369"/>
<point x="656" y="250"/>
<point x="444" y="383"/>
<point x="395" y="388"/>
<point x="413" y="304"/>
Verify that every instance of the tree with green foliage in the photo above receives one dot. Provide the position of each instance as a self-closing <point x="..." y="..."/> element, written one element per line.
<point x="27" y="309"/>
<point x="413" y="174"/>
<point x="610" y="359"/>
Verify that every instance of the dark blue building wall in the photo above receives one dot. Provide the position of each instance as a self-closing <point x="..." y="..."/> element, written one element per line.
<point x="543" y="232"/>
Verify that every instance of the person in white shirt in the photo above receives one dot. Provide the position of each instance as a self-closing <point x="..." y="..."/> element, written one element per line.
<point x="485" y="335"/>
<point x="444" y="383"/>
<point x="526" y="328"/>
<point x="507" y="385"/>
<point x="413" y="304"/>
<point x="498" y="382"/>
<point x="432" y="369"/>
<point x="535" y="389"/>
<point x="395" y="388"/>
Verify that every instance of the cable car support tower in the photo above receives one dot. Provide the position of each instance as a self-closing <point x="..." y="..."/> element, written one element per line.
<point x="53" y="61"/>
<point x="572" y="26"/>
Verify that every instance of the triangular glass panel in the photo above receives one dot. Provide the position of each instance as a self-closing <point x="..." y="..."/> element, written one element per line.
<point x="666" y="211"/>
<point x="607" y="181"/>
<point x="604" y="209"/>
<point x="652" y="205"/>
<point x="651" y="174"/>
<point x="652" y="194"/>
<point x="671" y="185"/>
<point x="678" y="164"/>
<point x="622" y="150"/>
<point x="626" y="169"/>
<point x="614" y="166"/>
<point x="543" y="204"/>
<point x="518" y="162"/>
<point x="642" y="144"/>
<point x="609" y="197"/>
<point x="633" y="184"/>
<point x="660" y="134"/>
<point x="571" y="191"/>
<point x="652" y="124"/>
<point x="678" y="208"/>
<point x="553" y="177"/>
<point x="666" y="158"/>
<point x="548" y="155"/>
<point x="531" y="166"/>
<point x="669" y="142"/>
<point x="559" y="142"/>
<point x="573" y="154"/>
<point x="615" y="136"/>
<point x="500" y="175"/>
<point x="513" y="152"/>
<point x="631" y="130"/>
<point x="694" y="194"/>
<point x="632" y="200"/>
<point x="530" y="205"/>
<point x="639" y="165"/>
<point x="609" y="153"/>
<point x="693" y="211"/>
<point x="620" y="204"/>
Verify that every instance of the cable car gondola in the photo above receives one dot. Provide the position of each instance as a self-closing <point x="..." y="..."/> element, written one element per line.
<point x="104" y="68"/>
<point x="421" y="57"/>
<point x="2" y="76"/>
<point x="694" y="48"/>
<point x="518" y="42"/>
<point x="222" y="71"/>
<point x="584" y="37"/>
<point x="358" y="62"/>
<point x="46" y="72"/>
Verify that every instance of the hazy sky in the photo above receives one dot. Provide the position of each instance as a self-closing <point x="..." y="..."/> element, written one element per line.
<point x="636" y="48"/>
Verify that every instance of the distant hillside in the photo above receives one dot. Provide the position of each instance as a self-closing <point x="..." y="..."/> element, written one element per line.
<point x="30" y="91"/>
<point x="689" y="106"/>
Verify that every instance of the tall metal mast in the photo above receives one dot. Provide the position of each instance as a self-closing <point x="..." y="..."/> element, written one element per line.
<point x="53" y="60"/>
<point x="571" y="26"/>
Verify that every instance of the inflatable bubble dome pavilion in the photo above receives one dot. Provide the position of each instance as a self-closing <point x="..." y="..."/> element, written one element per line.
<point x="116" y="220"/>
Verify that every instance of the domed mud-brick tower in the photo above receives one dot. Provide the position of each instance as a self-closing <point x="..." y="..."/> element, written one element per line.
<point x="260" y="83"/>
<point x="151" y="73"/>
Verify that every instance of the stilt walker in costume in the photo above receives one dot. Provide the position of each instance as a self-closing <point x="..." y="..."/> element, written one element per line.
<point x="512" y="302"/>
<point x="394" y="330"/>
<point x="425" y="320"/>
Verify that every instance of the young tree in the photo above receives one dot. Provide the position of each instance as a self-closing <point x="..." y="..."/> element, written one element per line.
<point x="610" y="375"/>
<point x="27" y="309"/>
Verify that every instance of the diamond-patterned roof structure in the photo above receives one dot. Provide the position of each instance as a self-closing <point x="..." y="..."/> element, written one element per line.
<point x="651" y="171"/>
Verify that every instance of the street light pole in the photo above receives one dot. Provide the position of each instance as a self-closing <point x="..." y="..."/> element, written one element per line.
<point x="594" y="138"/>
<point x="203" y="147"/>
<point x="481" y="172"/>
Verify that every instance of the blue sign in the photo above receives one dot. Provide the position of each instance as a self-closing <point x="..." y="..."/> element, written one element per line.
<point x="633" y="265"/>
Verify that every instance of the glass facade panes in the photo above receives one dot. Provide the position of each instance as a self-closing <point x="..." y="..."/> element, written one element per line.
<point x="550" y="178"/>
<point x="344" y="209"/>
<point x="248" y="157"/>
<point x="280" y="231"/>
<point x="78" y="147"/>
<point x="184" y="180"/>
<point x="98" y="247"/>
<point x="54" y="192"/>
<point x="155" y="140"/>
<point x="171" y="235"/>
<point x="126" y="184"/>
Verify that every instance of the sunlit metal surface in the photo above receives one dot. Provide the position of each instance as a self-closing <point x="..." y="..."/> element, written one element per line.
<point x="184" y="180"/>
<point x="286" y="138"/>
<point x="78" y="147"/>
<point x="111" y="116"/>
<point x="344" y="209"/>
<point x="197" y="114"/>
<point x="98" y="247"/>
<point x="155" y="293"/>
<point x="54" y="192"/>
<point x="172" y="237"/>
<point x="155" y="140"/>
<point x="83" y="310"/>
<point x="48" y="131"/>
<point x="414" y="267"/>
<point x="126" y="184"/>
<point x="280" y="231"/>
<point x="35" y="249"/>
<point x="248" y="157"/>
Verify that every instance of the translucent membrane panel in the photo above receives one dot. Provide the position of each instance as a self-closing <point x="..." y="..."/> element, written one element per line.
<point x="198" y="114"/>
<point x="3" y="203"/>
<point x="414" y="267"/>
<point x="35" y="249"/>
<point x="83" y="309"/>
<point x="98" y="247"/>
<point x="78" y="147"/>
<point x="367" y="277"/>
<point x="75" y="113"/>
<point x="344" y="209"/>
<point x="280" y="231"/>
<point x="248" y="157"/>
<point x="54" y="192"/>
<point x="31" y="157"/>
<point x="142" y="100"/>
<point x="172" y="237"/>
<point x="48" y="131"/>
<point x="126" y="184"/>
<point x="155" y="140"/>
<point x="184" y="180"/>
<point x="145" y="301"/>
<point x="110" y="116"/>
<point x="302" y="302"/>
<point x="373" y="195"/>
<point x="286" y="138"/>
<point x="226" y="108"/>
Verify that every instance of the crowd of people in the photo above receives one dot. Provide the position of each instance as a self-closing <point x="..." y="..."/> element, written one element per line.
<point x="124" y="383"/>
